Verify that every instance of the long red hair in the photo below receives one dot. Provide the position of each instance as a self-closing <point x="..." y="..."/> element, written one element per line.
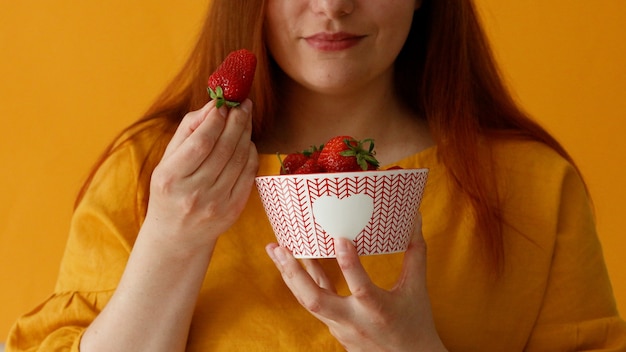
<point x="446" y="73"/>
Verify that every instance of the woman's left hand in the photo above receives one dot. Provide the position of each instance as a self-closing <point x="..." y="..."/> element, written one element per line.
<point x="371" y="318"/>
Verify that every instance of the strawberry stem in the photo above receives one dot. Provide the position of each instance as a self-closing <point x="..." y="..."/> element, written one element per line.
<point x="282" y="166"/>
<point x="364" y="158"/>
<point x="218" y="96"/>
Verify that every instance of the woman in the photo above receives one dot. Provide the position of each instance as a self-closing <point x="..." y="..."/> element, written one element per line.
<point x="513" y="259"/>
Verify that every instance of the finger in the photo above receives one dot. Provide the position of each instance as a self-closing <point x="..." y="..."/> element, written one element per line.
<point x="356" y="277"/>
<point x="237" y="123"/>
<point x="235" y="198"/>
<point x="243" y="185"/>
<point x="318" y="274"/>
<point x="199" y="144"/>
<point x="187" y="126"/>
<point x="316" y="300"/>
<point x="239" y="160"/>
<point x="413" y="274"/>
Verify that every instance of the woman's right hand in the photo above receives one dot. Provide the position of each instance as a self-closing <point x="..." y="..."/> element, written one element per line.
<point x="197" y="192"/>
<point x="202" y="183"/>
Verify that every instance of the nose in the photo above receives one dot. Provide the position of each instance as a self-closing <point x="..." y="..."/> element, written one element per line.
<point x="333" y="8"/>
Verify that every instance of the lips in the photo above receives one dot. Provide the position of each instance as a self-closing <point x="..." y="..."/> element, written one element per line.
<point x="333" y="41"/>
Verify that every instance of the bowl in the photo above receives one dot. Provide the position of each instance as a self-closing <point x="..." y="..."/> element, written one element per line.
<point x="375" y="209"/>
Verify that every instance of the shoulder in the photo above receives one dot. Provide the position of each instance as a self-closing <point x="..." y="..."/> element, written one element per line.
<point x="533" y="176"/>
<point x="137" y="148"/>
<point x="129" y="160"/>
<point x="537" y="184"/>
<point x="518" y="153"/>
<point x="142" y="137"/>
<point x="531" y="163"/>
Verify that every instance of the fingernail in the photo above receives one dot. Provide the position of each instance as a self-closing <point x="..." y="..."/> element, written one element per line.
<point x="341" y="246"/>
<point x="246" y="106"/>
<point x="223" y="111"/>
<point x="280" y="255"/>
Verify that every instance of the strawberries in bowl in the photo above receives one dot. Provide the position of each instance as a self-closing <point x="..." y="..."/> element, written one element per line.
<point x="338" y="154"/>
<point x="374" y="208"/>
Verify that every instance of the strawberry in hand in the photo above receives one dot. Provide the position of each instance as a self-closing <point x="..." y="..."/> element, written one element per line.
<point x="344" y="153"/>
<point x="231" y="82"/>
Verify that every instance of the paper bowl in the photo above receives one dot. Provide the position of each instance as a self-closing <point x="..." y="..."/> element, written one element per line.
<point x="376" y="209"/>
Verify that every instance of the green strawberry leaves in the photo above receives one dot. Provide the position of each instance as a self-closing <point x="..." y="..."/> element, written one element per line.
<point x="218" y="96"/>
<point x="364" y="158"/>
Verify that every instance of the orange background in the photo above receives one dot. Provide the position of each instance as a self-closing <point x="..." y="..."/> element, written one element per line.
<point x="73" y="73"/>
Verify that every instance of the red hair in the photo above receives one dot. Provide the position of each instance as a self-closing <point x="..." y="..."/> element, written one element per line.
<point x="229" y="25"/>
<point x="446" y="73"/>
<point x="461" y="93"/>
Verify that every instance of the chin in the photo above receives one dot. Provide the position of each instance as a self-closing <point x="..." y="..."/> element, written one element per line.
<point x="334" y="84"/>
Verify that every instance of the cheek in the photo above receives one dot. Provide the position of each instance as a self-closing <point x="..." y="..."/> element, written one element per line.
<point x="271" y="26"/>
<point x="279" y="27"/>
<point x="278" y="44"/>
<point x="395" y="28"/>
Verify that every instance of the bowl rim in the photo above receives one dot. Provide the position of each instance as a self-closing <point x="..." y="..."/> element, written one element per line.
<point x="349" y="174"/>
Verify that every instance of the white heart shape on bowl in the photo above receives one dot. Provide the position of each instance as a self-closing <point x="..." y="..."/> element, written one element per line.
<point x="345" y="217"/>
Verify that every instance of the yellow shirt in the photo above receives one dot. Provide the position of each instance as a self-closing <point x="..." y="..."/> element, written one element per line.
<point x="554" y="294"/>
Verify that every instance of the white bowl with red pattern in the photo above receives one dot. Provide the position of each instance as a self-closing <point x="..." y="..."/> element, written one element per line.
<point x="375" y="209"/>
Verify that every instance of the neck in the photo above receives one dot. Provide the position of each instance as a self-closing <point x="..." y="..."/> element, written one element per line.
<point x="309" y="118"/>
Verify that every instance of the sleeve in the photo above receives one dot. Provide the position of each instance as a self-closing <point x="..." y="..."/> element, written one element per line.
<point x="102" y="231"/>
<point x="579" y="311"/>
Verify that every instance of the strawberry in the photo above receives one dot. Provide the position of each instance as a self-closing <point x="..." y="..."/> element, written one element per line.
<point x="313" y="152"/>
<point x="292" y="162"/>
<point x="344" y="153"/>
<point x="304" y="162"/>
<point x="230" y="83"/>
<point x="309" y="167"/>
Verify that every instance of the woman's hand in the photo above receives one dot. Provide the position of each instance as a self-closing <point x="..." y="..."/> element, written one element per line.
<point x="197" y="192"/>
<point x="370" y="319"/>
<point x="203" y="181"/>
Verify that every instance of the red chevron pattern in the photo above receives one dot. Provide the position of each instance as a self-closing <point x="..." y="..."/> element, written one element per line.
<point x="396" y="194"/>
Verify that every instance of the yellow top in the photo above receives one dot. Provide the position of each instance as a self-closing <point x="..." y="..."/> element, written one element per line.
<point x="554" y="294"/>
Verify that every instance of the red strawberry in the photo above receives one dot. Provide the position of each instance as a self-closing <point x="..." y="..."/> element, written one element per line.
<point x="230" y="83"/>
<point x="344" y="153"/>
<point x="313" y="152"/>
<point x="309" y="167"/>
<point x="292" y="162"/>
<point x="295" y="161"/>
